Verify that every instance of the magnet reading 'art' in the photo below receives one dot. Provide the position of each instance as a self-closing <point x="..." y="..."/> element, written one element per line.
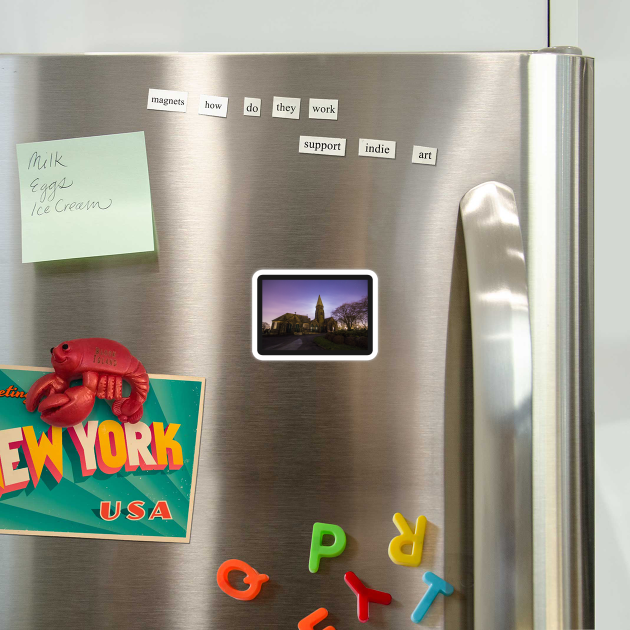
<point x="319" y="551"/>
<point x="252" y="577"/>
<point x="407" y="537"/>
<point x="309" y="623"/>
<point x="102" y="364"/>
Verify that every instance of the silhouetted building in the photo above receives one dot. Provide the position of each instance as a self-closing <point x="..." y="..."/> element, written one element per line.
<point x="299" y="324"/>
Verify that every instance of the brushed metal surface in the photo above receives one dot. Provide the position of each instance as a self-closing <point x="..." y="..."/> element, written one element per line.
<point x="560" y="275"/>
<point x="283" y="444"/>
<point x="502" y="368"/>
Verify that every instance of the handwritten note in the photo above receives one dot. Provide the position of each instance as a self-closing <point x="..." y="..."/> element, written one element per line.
<point x="85" y="197"/>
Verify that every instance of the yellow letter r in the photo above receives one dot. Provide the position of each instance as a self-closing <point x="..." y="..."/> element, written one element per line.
<point x="407" y="537"/>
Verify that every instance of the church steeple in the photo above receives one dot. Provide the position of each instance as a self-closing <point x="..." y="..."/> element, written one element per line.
<point x="319" y="311"/>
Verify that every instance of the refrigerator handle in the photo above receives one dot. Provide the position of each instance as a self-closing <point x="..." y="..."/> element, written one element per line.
<point x="502" y="374"/>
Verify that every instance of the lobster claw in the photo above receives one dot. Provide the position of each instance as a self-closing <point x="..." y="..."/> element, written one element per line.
<point x="43" y="386"/>
<point x="128" y="410"/>
<point x="68" y="408"/>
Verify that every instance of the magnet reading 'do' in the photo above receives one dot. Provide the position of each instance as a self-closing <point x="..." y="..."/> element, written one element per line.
<point x="102" y="364"/>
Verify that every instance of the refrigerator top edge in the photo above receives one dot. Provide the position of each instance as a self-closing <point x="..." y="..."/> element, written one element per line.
<point x="466" y="53"/>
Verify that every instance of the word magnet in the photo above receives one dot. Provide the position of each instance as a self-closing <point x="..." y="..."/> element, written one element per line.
<point x="251" y="106"/>
<point x="436" y="586"/>
<point x="213" y="106"/>
<point x="424" y="155"/>
<point x="252" y="577"/>
<point x="167" y="100"/>
<point x="323" y="108"/>
<point x="377" y="148"/>
<point x="322" y="146"/>
<point x="365" y="595"/>
<point x="319" y="550"/>
<point x="285" y="107"/>
<point x="309" y="623"/>
<point x="407" y="537"/>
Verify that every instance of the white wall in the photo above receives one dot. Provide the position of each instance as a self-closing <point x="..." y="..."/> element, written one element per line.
<point x="604" y="27"/>
<point x="256" y="25"/>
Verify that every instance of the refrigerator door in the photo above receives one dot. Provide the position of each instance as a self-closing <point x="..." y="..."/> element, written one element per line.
<point x="288" y="444"/>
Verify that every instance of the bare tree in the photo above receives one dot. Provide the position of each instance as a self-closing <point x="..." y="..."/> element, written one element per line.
<point x="352" y="314"/>
<point x="265" y="326"/>
<point x="362" y="308"/>
<point x="347" y="314"/>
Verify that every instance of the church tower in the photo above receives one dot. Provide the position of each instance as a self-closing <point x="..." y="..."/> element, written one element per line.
<point x="319" y="311"/>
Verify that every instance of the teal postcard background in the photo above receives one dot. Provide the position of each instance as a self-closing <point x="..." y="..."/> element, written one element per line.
<point x="72" y="505"/>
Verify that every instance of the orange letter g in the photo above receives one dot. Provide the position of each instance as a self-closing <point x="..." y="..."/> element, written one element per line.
<point x="252" y="577"/>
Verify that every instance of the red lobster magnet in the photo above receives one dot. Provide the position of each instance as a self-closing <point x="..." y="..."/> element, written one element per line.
<point x="103" y="364"/>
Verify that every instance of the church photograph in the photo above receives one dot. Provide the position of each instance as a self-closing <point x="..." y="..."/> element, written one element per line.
<point x="305" y="306"/>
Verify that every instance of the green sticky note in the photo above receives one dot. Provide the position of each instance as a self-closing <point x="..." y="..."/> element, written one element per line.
<point x="85" y="197"/>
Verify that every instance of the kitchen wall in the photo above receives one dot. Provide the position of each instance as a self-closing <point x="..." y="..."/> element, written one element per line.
<point x="603" y="28"/>
<point x="253" y="25"/>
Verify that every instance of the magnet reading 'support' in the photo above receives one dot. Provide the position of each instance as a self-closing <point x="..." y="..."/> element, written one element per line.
<point x="252" y="577"/>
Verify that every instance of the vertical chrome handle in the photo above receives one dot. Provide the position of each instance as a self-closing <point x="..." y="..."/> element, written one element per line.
<point x="502" y="373"/>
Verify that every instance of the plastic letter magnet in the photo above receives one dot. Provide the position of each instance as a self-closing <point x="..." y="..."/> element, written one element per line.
<point x="319" y="551"/>
<point x="252" y="577"/>
<point x="407" y="537"/>
<point x="365" y="596"/>
<point x="436" y="586"/>
<point x="308" y="623"/>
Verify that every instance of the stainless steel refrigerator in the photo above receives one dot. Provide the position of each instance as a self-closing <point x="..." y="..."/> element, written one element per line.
<point x="477" y="411"/>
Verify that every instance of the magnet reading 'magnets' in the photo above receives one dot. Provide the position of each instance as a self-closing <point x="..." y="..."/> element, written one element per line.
<point x="103" y="364"/>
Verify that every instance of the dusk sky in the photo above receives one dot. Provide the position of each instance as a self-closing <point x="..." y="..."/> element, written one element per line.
<point x="291" y="296"/>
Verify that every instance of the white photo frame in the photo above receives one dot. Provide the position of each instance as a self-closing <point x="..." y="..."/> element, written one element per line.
<point x="315" y="272"/>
